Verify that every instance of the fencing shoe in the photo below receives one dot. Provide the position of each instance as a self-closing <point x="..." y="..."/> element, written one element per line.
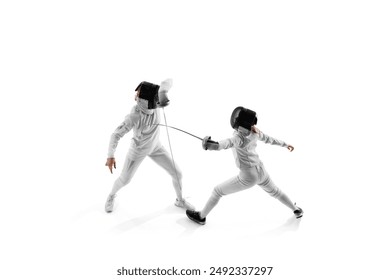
<point x="195" y="216"/>
<point x="298" y="213"/>
<point x="110" y="203"/>
<point x="184" y="204"/>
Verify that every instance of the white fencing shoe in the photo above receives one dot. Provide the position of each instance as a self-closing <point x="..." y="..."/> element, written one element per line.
<point x="184" y="204"/>
<point x="110" y="203"/>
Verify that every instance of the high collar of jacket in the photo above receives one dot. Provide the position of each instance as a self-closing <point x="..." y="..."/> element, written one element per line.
<point x="243" y="131"/>
<point x="143" y="106"/>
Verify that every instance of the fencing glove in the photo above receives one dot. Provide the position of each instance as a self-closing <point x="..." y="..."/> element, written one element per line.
<point x="209" y="144"/>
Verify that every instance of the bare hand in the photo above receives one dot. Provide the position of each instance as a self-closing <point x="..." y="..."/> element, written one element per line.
<point x="111" y="162"/>
<point x="290" y="148"/>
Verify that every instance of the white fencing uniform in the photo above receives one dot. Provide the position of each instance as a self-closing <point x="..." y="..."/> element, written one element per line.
<point x="145" y="142"/>
<point x="252" y="171"/>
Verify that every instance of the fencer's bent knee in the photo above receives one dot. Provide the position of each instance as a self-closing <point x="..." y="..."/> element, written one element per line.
<point x="217" y="192"/>
<point x="275" y="193"/>
<point x="175" y="173"/>
<point x="179" y="174"/>
<point x="124" y="179"/>
<point x="271" y="188"/>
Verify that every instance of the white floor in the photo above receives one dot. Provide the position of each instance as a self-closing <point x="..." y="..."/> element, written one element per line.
<point x="64" y="231"/>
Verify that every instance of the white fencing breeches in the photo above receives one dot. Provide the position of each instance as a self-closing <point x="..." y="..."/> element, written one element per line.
<point x="159" y="156"/>
<point x="246" y="179"/>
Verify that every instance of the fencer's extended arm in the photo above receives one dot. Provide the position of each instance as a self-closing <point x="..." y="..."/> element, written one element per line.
<point x="165" y="86"/>
<point x="119" y="132"/>
<point x="234" y="141"/>
<point x="269" y="140"/>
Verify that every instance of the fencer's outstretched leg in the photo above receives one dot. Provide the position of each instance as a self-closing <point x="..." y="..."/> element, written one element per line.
<point x="245" y="180"/>
<point x="268" y="185"/>
<point x="200" y="216"/>
<point x="163" y="159"/>
<point x="283" y="198"/>
<point x="128" y="171"/>
<point x="210" y="204"/>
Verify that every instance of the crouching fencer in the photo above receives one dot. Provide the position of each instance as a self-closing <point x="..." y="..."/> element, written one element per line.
<point x="143" y="120"/>
<point x="252" y="171"/>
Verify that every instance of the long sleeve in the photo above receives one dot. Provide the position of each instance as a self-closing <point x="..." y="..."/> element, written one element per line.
<point x="269" y="140"/>
<point x="119" y="132"/>
<point x="234" y="141"/>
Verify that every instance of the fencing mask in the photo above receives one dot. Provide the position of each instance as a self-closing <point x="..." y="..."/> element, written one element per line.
<point x="242" y="117"/>
<point x="149" y="92"/>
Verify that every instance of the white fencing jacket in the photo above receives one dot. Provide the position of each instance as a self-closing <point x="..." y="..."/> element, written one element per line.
<point x="143" y="122"/>
<point x="145" y="131"/>
<point x="244" y="147"/>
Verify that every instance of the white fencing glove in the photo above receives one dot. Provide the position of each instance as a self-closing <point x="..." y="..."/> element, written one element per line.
<point x="162" y="93"/>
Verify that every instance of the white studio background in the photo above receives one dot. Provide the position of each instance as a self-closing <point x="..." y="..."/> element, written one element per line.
<point x="317" y="74"/>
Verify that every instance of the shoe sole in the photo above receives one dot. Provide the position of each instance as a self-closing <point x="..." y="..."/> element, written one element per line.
<point x="299" y="215"/>
<point x="196" y="221"/>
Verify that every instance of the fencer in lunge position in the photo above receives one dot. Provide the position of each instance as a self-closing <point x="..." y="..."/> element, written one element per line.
<point x="145" y="142"/>
<point x="252" y="171"/>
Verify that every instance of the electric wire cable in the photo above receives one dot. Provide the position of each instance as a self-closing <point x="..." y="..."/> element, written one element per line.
<point x="170" y="148"/>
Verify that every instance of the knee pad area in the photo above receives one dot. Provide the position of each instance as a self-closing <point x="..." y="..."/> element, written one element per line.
<point x="178" y="175"/>
<point x="124" y="180"/>
<point x="273" y="191"/>
<point x="217" y="193"/>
